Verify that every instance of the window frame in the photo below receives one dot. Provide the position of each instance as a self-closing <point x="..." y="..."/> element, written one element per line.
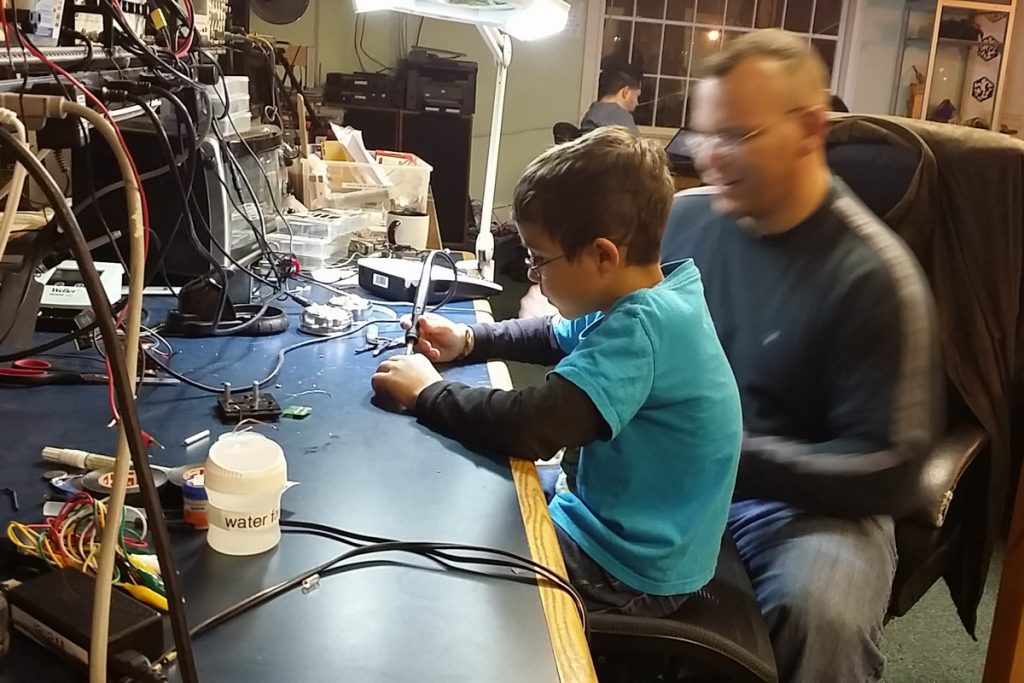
<point x="594" y="36"/>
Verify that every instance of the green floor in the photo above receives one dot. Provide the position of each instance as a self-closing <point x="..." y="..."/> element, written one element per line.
<point x="928" y="645"/>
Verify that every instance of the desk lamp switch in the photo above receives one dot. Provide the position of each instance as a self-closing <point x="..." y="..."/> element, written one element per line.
<point x="235" y="406"/>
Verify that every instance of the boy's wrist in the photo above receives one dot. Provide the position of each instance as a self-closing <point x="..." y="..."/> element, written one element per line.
<point x="469" y="343"/>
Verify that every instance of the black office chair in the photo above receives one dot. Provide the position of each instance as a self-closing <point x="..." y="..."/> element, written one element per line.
<point x="716" y="636"/>
<point x="563" y="131"/>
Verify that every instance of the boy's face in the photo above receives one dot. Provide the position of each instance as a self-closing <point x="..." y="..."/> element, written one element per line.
<point x="570" y="286"/>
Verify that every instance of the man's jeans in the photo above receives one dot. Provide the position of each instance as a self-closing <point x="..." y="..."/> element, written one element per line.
<point x="823" y="584"/>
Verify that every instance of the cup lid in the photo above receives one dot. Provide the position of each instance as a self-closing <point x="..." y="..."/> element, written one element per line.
<point x="246" y="467"/>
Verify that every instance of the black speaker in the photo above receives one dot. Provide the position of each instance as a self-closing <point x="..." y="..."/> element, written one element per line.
<point x="380" y="127"/>
<point x="444" y="141"/>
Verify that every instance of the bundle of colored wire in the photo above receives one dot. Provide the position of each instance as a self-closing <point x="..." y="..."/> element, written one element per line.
<point x="72" y="539"/>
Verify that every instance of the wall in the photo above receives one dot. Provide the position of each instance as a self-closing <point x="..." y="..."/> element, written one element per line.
<point x="1013" y="96"/>
<point x="543" y="81"/>
<point x="873" y="54"/>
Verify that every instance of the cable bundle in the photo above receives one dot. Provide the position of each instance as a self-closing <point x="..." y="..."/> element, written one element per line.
<point x="72" y="539"/>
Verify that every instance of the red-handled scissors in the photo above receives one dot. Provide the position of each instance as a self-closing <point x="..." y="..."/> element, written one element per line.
<point x="35" y="372"/>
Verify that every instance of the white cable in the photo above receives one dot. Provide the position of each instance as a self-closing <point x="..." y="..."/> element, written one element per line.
<point x="112" y="524"/>
<point x="9" y="119"/>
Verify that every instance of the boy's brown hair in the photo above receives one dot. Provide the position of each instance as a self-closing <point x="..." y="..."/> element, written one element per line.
<point x="609" y="183"/>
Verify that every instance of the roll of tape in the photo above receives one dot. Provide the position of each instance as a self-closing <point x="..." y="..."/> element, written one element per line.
<point x="178" y="475"/>
<point x="100" y="481"/>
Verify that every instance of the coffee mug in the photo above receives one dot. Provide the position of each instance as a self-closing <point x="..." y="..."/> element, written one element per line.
<point x="411" y="229"/>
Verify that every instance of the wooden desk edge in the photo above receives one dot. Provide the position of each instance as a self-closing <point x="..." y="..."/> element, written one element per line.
<point x="568" y="641"/>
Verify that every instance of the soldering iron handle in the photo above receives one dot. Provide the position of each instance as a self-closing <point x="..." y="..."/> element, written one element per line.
<point x="412" y="335"/>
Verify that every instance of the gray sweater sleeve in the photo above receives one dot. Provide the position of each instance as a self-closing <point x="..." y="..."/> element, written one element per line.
<point x="526" y="340"/>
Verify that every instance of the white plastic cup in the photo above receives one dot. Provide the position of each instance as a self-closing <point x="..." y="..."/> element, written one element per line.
<point x="412" y="230"/>
<point x="245" y="477"/>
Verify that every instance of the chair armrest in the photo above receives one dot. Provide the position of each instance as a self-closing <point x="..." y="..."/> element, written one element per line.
<point x="949" y="459"/>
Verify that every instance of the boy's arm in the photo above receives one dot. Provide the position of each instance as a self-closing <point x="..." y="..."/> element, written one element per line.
<point x="526" y="340"/>
<point x="532" y="423"/>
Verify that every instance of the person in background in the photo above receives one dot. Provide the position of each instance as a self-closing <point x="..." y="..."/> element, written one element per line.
<point x="618" y="94"/>
<point x="829" y="325"/>
<point x="640" y="382"/>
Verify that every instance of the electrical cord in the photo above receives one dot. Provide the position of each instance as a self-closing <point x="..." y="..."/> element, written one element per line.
<point x="10" y="119"/>
<point x="278" y="364"/>
<point x="186" y="196"/>
<point x="365" y="545"/>
<point x="137" y="240"/>
<point x="124" y="387"/>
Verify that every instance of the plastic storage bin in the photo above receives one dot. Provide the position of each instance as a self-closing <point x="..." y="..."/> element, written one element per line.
<point x="330" y="223"/>
<point x="312" y="252"/>
<point x="397" y="183"/>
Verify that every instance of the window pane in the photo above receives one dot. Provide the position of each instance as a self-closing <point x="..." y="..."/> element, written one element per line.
<point x="769" y="14"/>
<point x="644" y="114"/>
<point x="691" y="85"/>
<point x="798" y="15"/>
<point x="710" y="12"/>
<point x="670" y="102"/>
<point x="651" y="9"/>
<point x="675" y="55"/>
<point x="647" y="46"/>
<point x="706" y="42"/>
<point x="615" y="45"/>
<point x="729" y="36"/>
<point x="739" y="12"/>
<point x="827" y="49"/>
<point x="681" y="10"/>
<point x="826" y="17"/>
<point x="619" y="8"/>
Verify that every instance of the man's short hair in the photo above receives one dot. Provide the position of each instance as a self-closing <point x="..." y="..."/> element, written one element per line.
<point x="609" y="183"/>
<point x="792" y="52"/>
<point x="615" y="77"/>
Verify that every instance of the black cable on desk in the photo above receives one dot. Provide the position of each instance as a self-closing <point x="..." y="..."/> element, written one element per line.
<point x="125" y="398"/>
<point x="433" y="551"/>
<point x="278" y="365"/>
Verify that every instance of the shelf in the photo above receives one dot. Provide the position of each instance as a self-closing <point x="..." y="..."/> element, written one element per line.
<point x="954" y="41"/>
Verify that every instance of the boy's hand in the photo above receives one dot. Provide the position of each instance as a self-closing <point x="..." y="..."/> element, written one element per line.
<point x="441" y="340"/>
<point x="403" y="378"/>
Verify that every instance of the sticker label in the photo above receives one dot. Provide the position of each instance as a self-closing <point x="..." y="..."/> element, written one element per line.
<point x="380" y="280"/>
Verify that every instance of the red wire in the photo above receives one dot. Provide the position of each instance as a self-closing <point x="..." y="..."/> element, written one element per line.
<point x="192" y="30"/>
<point x="135" y="172"/>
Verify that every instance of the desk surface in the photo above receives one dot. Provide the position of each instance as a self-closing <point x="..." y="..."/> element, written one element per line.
<point x="395" y="618"/>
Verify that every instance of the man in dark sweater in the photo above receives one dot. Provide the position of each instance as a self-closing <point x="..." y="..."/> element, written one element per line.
<point x="618" y="94"/>
<point x="827" y="321"/>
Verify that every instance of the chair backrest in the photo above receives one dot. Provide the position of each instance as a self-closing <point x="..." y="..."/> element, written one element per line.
<point x="563" y="131"/>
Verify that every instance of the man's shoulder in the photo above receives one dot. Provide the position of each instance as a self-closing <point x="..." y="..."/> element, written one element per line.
<point x="868" y="249"/>
<point x="691" y="219"/>
<point x="607" y="114"/>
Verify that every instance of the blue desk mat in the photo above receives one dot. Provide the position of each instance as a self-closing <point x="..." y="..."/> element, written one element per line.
<point x="397" y="617"/>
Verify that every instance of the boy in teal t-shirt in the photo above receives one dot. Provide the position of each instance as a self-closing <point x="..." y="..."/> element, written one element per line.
<point x="640" y="383"/>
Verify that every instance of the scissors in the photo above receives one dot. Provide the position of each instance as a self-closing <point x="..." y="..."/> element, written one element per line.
<point x="37" y="372"/>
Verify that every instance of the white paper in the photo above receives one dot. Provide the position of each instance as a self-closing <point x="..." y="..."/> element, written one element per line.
<point x="352" y="139"/>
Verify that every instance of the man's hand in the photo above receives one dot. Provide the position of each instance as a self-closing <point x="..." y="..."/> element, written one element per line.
<point x="441" y="340"/>
<point x="402" y="378"/>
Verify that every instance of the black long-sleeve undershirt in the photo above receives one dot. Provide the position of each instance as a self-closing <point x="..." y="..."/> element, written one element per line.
<point x="533" y="422"/>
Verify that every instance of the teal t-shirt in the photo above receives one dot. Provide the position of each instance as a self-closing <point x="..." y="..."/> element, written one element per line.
<point x="650" y="504"/>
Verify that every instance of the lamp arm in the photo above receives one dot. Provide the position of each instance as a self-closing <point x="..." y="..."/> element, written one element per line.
<point x="500" y="45"/>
